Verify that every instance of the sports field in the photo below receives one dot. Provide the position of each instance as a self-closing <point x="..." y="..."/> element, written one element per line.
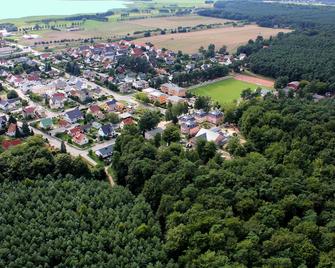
<point x="224" y="91"/>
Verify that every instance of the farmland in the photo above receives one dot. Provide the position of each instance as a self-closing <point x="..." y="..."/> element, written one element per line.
<point x="232" y="37"/>
<point x="118" y="29"/>
<point x="224" y="91"/>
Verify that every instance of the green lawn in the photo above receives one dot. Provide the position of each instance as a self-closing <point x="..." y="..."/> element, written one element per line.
<point x="224" y="91"/>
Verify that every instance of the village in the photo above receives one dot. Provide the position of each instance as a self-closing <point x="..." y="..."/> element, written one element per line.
<point x="83" y="97"/>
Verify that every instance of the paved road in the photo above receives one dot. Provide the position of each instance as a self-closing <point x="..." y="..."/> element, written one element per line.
<point x="70" y="149"/>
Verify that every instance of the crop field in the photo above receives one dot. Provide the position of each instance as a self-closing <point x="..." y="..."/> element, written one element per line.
<point x="224" y="91"/>
<point x="176" y="21"/>
<point x="232" y="37"/>
<point x="118" y="29"/>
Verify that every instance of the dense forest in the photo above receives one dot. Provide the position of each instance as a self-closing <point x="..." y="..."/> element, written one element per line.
<point x="272" y="206"/>
<point x="307" y="53"/>
<point x="56" y="212"/>
<point x="274" y="14"/>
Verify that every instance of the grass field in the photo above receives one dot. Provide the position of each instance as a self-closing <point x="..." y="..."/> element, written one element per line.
<point x="232" y="37"/>
<point x="224" y="91"/>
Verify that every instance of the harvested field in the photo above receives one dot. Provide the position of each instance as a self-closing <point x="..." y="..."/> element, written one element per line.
<point x="176" y="21"/>
<point x="232" y="37"/>
<point x="255" y="80"/>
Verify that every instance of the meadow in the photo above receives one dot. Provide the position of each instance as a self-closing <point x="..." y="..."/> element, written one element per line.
<point x="224" y="91"/>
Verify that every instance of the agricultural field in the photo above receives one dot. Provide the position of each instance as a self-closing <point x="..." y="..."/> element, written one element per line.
<point x="176" y="21"/>
<point x="232" y="37"/>
<point x="118" y="29"/>
<point x="224" y="91"/>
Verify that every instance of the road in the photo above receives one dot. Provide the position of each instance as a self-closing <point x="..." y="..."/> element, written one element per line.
<point x="70" y="149"/>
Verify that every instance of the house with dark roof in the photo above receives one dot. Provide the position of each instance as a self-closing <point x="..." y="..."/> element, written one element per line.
<point x="105" y="152"/>
<point x="106" y="131"/>
<point x="9" y="105"/>
<point x="3" y="121"/>
<point x="73" y="116"/>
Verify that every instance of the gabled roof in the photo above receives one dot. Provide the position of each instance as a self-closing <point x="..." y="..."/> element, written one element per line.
<point x="207" y="134"/>
<point x="74" y="114"/>
<point x="95" y="109"/>
<point x="46" y="122"/>
<point x="107" y="129"/>
<point x="106" y="151"/>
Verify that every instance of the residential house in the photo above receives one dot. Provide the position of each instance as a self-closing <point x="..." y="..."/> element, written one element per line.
<point x="80" y="139"/>
<point x="73" y="116"/>
<point x="110" y="105"/>
<point x="105" y="152"/>
<point x="210" y="136"/>
<point x="140" y="84"/>
<point x="86" y="128"/>
<point x="189" y="128"/>
<point x="294" y="85"/>
<point x="173" y="90"/>
<point x="74" y="131"/>
<point x="200" y="116"/>
<point x="126" y="122"/>
<point x="125" y="87"/>
<point x="63" y="123"/>
<point x="9" y="105"/>
<point x="29" y="112"/>
<point x="57" y="101"/>
<point x="96" y="111"/>
<point x="46" y="123"/>
<point x="149" y="135"/>
<point x="106" y="131"/>
<point x="11" y="132"/>
<point x="215" y="117"/>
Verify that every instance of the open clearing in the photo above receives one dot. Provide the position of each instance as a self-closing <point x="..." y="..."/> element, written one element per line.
<point x="232" y="37"/>
<point x="224" y="91"/>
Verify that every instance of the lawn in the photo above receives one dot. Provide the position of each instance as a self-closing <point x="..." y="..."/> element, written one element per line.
<point x="224" y="91"/>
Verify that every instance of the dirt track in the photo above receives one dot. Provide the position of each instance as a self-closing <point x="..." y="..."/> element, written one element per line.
<point x="254" y="80"/>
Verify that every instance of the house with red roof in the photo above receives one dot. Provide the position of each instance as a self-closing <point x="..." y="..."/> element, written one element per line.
<point x="127" y="122"/>
<point x="57" y="101"/>
<point x="80" y="139"/>
<point x="75" y="131"/>
<point x="96" y="111"/>
<point x="11" y="130"/>
<point x="29" y="112"/>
